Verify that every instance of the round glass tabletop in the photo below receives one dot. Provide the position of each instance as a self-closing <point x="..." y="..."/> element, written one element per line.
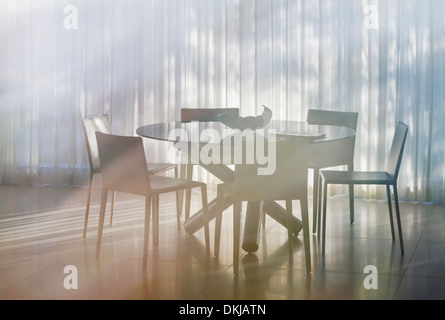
<point x="175" y="131"/>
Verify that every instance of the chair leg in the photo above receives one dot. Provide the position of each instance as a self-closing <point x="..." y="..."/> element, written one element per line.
<point x="236" y="235"/>
<point x="113" y="198"/>
<point x="87" y="210"/>
<point x="314" y="200"/>
<point x="155" y="205"/>
<point x="351" y="197"/>
<point x="218" y="218"/>
<point x="178" y="211"/>
<point x="103" y="203"/>
<point x="188" y="193"/>
<point x="306" y="237"/>
<point x="178" y="202"/>
<point x="325" y="196"/>
<point x="146" y="230"/>
<point x="188" y="197"/>
<point x="289" y="223"/>
<point x="263" y="215"/>
<point x="396" y="201"/>
<point x="388" y="193"/>
<point x="351" y="203"/>
<point x="206" y="218"/>
<point x="320" y="197"/>
<point x="182" y="172"/>
<point x="175" y="169"/>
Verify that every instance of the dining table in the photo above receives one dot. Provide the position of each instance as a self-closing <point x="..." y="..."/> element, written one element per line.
<point x="197" y="134"/>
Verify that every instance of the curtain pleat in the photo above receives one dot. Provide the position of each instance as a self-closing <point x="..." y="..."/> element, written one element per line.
<point x="140" y="61"/>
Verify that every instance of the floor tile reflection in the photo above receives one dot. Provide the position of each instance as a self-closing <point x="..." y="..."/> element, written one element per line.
<point x="41" y="234"/>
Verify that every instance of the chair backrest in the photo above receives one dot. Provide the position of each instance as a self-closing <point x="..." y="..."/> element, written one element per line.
<point x="123" y="164"/>
<point x="201" y="114"/>
<point x="287" y="182"/>
<point x="336" y="118"/>
<point x="396" y="151"/>
<point x="336" y="152"/>
<point x="90" y="126"/>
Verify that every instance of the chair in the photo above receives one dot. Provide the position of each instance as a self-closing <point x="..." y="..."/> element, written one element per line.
<point x="124" y="169"/>
<point x="102" y="124"/>
<point x="200" y="114"/>
<point x="288" y="182"/>
<point x="387" y="177"/>
<point x="325" y="154"/>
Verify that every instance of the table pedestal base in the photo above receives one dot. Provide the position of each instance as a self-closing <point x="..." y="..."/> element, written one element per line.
<point x="252" y="223"/>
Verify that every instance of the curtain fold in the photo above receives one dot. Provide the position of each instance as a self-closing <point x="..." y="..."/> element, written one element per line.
<point x="141" y="61"/>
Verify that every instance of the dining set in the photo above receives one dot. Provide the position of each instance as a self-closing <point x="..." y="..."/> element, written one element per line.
<point x="258" y="160"/>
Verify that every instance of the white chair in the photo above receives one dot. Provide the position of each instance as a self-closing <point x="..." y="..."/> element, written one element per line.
<point x="102" y="124"/>
<point x="124" y="169"/>
<point x="326" y="154"/>
<point x="288" y="182"/>
<point x="387" y="177"/>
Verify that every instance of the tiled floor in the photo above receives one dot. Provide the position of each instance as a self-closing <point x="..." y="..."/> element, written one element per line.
<point x="41" y="234"/>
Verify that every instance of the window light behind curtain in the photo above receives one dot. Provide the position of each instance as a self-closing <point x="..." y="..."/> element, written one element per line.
<point x="141" y="61"/>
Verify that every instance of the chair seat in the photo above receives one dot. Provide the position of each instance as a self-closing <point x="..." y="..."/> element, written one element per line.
<point x="356" y="177"/>
<point x="154" y="168"/>
<point x="161" y="184"/>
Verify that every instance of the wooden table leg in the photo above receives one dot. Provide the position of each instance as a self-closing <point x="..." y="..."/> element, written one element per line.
<point x="278" y="213"/>
<point x="252" y="226"/>
<point x="195" y="222"/>
<point x="253" y="215"/>
<point x="252" y="223"/>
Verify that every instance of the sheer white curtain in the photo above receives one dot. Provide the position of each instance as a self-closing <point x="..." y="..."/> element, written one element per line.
<point x="141" y="61"/>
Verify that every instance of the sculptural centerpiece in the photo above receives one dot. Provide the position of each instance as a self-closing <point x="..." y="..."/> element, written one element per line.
<point x="249" y="122"/>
